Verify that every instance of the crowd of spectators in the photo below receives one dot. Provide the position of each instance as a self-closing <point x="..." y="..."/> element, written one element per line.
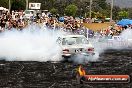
<point x="19" y="22"/>
<point x="9" y="21"/>
<point x="113" y="30"/>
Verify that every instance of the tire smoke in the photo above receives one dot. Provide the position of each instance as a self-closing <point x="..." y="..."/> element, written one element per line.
<point x="124" y="42"/>
<point x="31" y="44"/>
<point x="36" y="43"/>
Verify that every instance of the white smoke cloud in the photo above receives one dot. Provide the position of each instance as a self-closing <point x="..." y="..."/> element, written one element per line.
<point x="36" y="43"/>
<point x="100" y="47"/>
<point x="124" y="43"/>
<point x="127" y="34"/>
<point x="103" y="45"/>
<point x="31" y="44"/>
<point x="82" y="59"/>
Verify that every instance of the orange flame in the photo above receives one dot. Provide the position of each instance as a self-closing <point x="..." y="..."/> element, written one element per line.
<point x="81" y="71"/>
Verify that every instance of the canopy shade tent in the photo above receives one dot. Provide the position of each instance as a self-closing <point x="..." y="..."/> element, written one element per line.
<point x="125" y="22"/>
<point x="97" y="26"/>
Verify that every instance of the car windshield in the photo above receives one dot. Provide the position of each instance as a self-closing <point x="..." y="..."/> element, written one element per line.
<point x="74" y="40"/>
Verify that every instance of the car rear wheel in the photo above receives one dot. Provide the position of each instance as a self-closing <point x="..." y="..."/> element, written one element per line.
<point x="65" y="58"/>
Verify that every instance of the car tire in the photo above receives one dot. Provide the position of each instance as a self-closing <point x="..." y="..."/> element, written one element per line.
<point x="65" y="58"/>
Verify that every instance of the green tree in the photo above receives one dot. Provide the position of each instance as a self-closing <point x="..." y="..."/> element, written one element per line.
<point x="123" y="14"/>
<point x="71" y="10"/>
<point x="102" y="4"/>
<point x="116" y="11"/>
<point x="18" y="5"/>
<point x="54" y="11"/>
<point x="4" y="3"/>
<point x="130" y="12"/>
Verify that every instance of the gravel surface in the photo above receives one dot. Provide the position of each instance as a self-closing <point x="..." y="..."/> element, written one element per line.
<point x="29" y="74"/>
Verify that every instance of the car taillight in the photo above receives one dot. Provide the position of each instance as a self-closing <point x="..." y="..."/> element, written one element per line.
<point x="65" y="50"/>
<point x="90" y="49"/>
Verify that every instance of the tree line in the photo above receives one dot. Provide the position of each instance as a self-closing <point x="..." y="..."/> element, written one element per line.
<point x="100" y="8"/>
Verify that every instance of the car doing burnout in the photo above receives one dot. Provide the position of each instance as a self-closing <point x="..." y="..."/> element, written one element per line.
<point x="75" y="44"/>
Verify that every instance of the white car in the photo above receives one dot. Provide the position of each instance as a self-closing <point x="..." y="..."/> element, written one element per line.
<point x="75" y="44"/>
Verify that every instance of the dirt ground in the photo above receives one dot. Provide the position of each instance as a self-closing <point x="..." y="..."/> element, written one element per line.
<point x="31" y="74"/>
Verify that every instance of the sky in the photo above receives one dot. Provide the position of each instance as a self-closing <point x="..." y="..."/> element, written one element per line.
<point x="122" y="3"/>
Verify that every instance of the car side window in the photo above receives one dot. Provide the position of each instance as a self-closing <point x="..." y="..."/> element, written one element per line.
<point x="59" y="40"/>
